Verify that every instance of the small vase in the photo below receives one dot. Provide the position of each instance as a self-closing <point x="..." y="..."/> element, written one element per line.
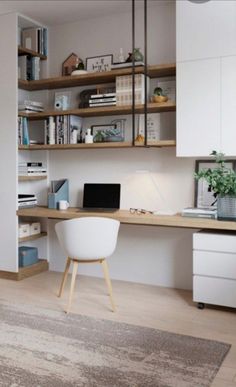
<point x="138" y="56"/>
<point x="88" y="137"/>
<point x="226" y="207"/>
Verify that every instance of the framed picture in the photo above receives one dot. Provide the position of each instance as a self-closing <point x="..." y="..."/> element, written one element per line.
<point x="99" y="63"/>
<point x="203" y="197"/>
<point x="107" y="133"/>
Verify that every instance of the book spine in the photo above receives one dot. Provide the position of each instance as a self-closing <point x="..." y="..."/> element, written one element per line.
<point x="26" y="140"/>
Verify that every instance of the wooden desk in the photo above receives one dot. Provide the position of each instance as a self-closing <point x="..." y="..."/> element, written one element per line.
<point x="125" y="217"/>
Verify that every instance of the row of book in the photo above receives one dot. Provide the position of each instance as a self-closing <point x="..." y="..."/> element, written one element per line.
<point x="62" y="129"/>
<point x="124" y="89"/>
<point x="35" y="39"/>
<point x="28" y="68"/>
<point x="35" y="168"/>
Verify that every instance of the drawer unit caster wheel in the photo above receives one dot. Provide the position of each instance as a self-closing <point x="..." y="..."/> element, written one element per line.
<point x="201" y="305"/>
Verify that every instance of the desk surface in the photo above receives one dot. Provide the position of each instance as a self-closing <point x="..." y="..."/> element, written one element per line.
<point x="125" y="217"/>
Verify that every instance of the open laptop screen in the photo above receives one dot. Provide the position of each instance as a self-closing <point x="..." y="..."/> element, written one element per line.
<point x="101" y="196"/>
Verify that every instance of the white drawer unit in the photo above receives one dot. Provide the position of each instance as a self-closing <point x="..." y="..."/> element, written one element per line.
<point x="214" y="269"/>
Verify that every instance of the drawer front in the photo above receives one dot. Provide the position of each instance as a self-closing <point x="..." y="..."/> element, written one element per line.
<point x="214" y="242"/>
<point x="214" y="264"/>
<point x="216" y="291"/>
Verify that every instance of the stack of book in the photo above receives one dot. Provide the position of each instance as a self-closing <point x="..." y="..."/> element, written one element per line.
<point x="124" y="89"/>
<point x="35" y="39"/>
<point x="27" y="200"/>
<point x="34" y="168"/>
<point x="190" y="212"/>
<point x="108" y="99"/>
<point x="28" y="106"/>
<point x="123" y="65"/>
<point x="28" y="68"/>
<point x="23" y="131"/>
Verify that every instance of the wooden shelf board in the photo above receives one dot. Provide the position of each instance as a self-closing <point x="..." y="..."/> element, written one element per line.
<point x="99" y="145"/>
<point x="104" y="111"/>
<point x="26" y="51"/>
<point x="29" y="271"/>
<point x="154" y="71"/>
<point x="25" y="272"/>
<point x="31" y="178"/>
<point x="157" y="144"/>
<point x="32" y="237"/>
<point x="96" y="145"/>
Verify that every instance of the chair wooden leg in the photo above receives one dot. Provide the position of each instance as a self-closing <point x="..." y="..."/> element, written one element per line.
<point x="63" y="282"/>
<point x="108" y="282"/>
<point x="72" y="285"/>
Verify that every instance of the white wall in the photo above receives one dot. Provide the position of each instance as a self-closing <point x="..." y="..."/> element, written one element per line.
<point x="151" y="255"/>
<point x="8" y="151"/>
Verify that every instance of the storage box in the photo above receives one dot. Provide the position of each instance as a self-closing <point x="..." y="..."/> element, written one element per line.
<point x="27" y="256"/>
<point x="24" y="230"/>
<point x="35" y="228"/>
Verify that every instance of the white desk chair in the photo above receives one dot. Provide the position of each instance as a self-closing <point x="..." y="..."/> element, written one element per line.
<point x="87" y="240"/>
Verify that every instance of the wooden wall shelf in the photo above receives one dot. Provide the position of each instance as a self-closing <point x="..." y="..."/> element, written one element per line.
<point x="26" y="51"/>
<point x="27" y="271"/>
<point x="32" y="237"/>
<point x="154" y="71"/>
<point x="99" y="145"/>
<point x="31" y="178"/>
<point x="103" y="111"/>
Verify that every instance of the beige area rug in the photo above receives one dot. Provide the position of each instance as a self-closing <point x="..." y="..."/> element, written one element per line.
<point x="40" y="347"/>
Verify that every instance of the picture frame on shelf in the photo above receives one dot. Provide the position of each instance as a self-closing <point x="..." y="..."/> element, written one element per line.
<point x="62" y="100"/>
<point x="203" y="197"/>
<point x="107" y="133"/>
<point x="99" y="63"/>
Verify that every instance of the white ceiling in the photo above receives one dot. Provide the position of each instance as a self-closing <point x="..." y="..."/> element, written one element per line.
<point x="51" y="12"/>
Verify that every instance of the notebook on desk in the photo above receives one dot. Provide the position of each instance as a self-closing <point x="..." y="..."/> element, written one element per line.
<point x="101" y="197"/>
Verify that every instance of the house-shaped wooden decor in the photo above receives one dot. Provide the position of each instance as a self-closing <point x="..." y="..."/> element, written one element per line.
<point x="69" y="64"/>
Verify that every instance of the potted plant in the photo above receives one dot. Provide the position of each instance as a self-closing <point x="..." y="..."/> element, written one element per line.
<point x="222" y="181"/>
<point x="158" y="95"/>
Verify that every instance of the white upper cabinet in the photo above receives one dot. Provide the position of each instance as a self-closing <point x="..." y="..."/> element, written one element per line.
<point x="228" y="105"/>
<point x="205" y="30"/>
<point x="198" y="107"/>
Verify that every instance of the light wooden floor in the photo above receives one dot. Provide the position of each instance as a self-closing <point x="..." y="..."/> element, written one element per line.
<point x="156" y="307"/>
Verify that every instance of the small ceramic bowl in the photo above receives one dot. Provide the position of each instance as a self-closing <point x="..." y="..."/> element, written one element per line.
<point x="159" y="98"/>
<point x="79" y="72"/>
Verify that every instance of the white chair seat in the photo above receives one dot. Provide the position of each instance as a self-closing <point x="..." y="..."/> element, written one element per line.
<point x="88" y="239"/>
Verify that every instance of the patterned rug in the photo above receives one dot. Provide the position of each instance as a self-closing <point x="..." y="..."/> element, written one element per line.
<point x="40" y="347"/>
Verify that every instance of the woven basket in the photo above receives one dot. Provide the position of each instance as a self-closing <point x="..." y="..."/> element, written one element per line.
<point x="226" y="207"/>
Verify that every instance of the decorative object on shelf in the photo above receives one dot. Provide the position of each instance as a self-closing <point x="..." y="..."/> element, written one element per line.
<point x="59" y="191"/>
<point x="121" y="56"/>
<point x="88" y="137"/>
<point x="138" y="56"/>
<point x="99" y="63"/>
<point x="217" y="185"/>
<point x="62" y="100"/>
<point x="79" y="68"/>
<point x="168" y="89"/>
<point x="107" y="133"/>
<point x="120" y="124"/>
<point x="158" y="95"/>
<point x="153" y="128"/>
<point x="69" y="64"/>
